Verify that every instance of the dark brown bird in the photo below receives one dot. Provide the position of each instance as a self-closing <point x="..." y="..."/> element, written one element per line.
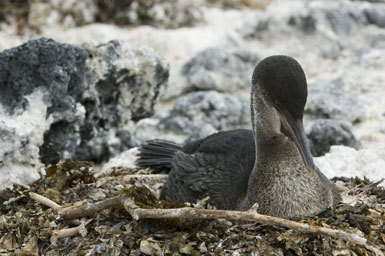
<point x="271" y="165"/>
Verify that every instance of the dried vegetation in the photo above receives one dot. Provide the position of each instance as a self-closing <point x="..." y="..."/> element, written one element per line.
<point x="28" y="227"/>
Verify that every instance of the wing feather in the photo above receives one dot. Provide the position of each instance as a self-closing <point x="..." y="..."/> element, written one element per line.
<point x="195" y="176"/>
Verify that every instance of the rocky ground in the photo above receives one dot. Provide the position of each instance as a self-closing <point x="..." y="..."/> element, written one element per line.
<point x="117" y="73"/>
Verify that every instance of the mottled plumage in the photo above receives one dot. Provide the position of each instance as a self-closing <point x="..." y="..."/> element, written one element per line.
<point x="271" y="165"/>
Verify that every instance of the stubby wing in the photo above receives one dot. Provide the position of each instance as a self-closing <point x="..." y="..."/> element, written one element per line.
<point x="199" y="175"/>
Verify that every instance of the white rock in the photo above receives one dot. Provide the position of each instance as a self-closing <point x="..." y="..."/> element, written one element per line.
<point x="20" y="138"/>
<point x="125" y="159"/>
<point x="348" y="162"/>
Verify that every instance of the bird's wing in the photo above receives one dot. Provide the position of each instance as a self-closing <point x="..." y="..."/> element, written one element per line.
<point x="195" y="176"/>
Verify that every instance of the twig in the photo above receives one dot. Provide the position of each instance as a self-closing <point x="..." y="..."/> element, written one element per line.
<point x="341" y="188"/>
<point x="371" y="185"/>
<point x="88" y="209"/>
<point x="145" y="176"/>
<point x="361" y="187"/>
<point x="194" y="213"/>
<point x="77" y="211"/>
<point x="56" y="234"/>
<point x="43" y="200"/>
<point x="67" y="232"/>
<point x="127" y="178"/>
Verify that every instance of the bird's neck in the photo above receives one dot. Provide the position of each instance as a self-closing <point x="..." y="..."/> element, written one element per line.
<point x="264" y="118"/>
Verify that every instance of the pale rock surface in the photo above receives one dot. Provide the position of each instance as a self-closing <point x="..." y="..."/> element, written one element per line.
<point x="220" y="69"/>
<point x="126" y="158"/>
<point x="34" y="80"/>
<point x="349" y="162"/>
<point x="195" y="116"/>
<point x="20" y="139"/>
<point x="323" y="133"/>
<point x="330" y="100"/>
<point x="63" y="101"/>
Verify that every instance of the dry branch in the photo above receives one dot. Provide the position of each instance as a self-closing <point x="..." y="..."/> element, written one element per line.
<point x="78" y="211"/>
<point x="195" y="213"/>
<point x="89" y="209"/>
<point x="143" y="177"/>
<point x="127" y="178"/>
<point x="81" y="229"/>
<point x="43" y="200"/>
<point x="56" y="234"/>
<point x="71" y="211"/>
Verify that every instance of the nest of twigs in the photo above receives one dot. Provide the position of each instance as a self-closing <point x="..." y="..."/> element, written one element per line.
<point x="29" y="227"/>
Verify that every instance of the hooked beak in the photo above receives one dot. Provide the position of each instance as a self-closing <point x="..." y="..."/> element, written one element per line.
<point x="294" y="130"/>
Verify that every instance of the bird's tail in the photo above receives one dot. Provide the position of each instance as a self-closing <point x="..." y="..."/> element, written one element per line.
<point x="157" y="153"/>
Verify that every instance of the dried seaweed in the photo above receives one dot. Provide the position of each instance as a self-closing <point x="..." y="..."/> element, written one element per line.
<point x="26" y="227"/>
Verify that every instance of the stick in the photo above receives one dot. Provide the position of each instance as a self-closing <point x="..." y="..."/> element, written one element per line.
<point x="77" y="211"/>
<point x="43" y="200"/>
<point x="85" y="210"/>
<point x="56" y="234"/>
<point x="143" y="177"/>
<point x="341" y="188"/>
<point x="127" y="178"/>
<point x="67" y="232"/>
<point x="195" y="213"/>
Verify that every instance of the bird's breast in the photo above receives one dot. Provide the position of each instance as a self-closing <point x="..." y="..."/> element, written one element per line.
<point x="281" y="184"/>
